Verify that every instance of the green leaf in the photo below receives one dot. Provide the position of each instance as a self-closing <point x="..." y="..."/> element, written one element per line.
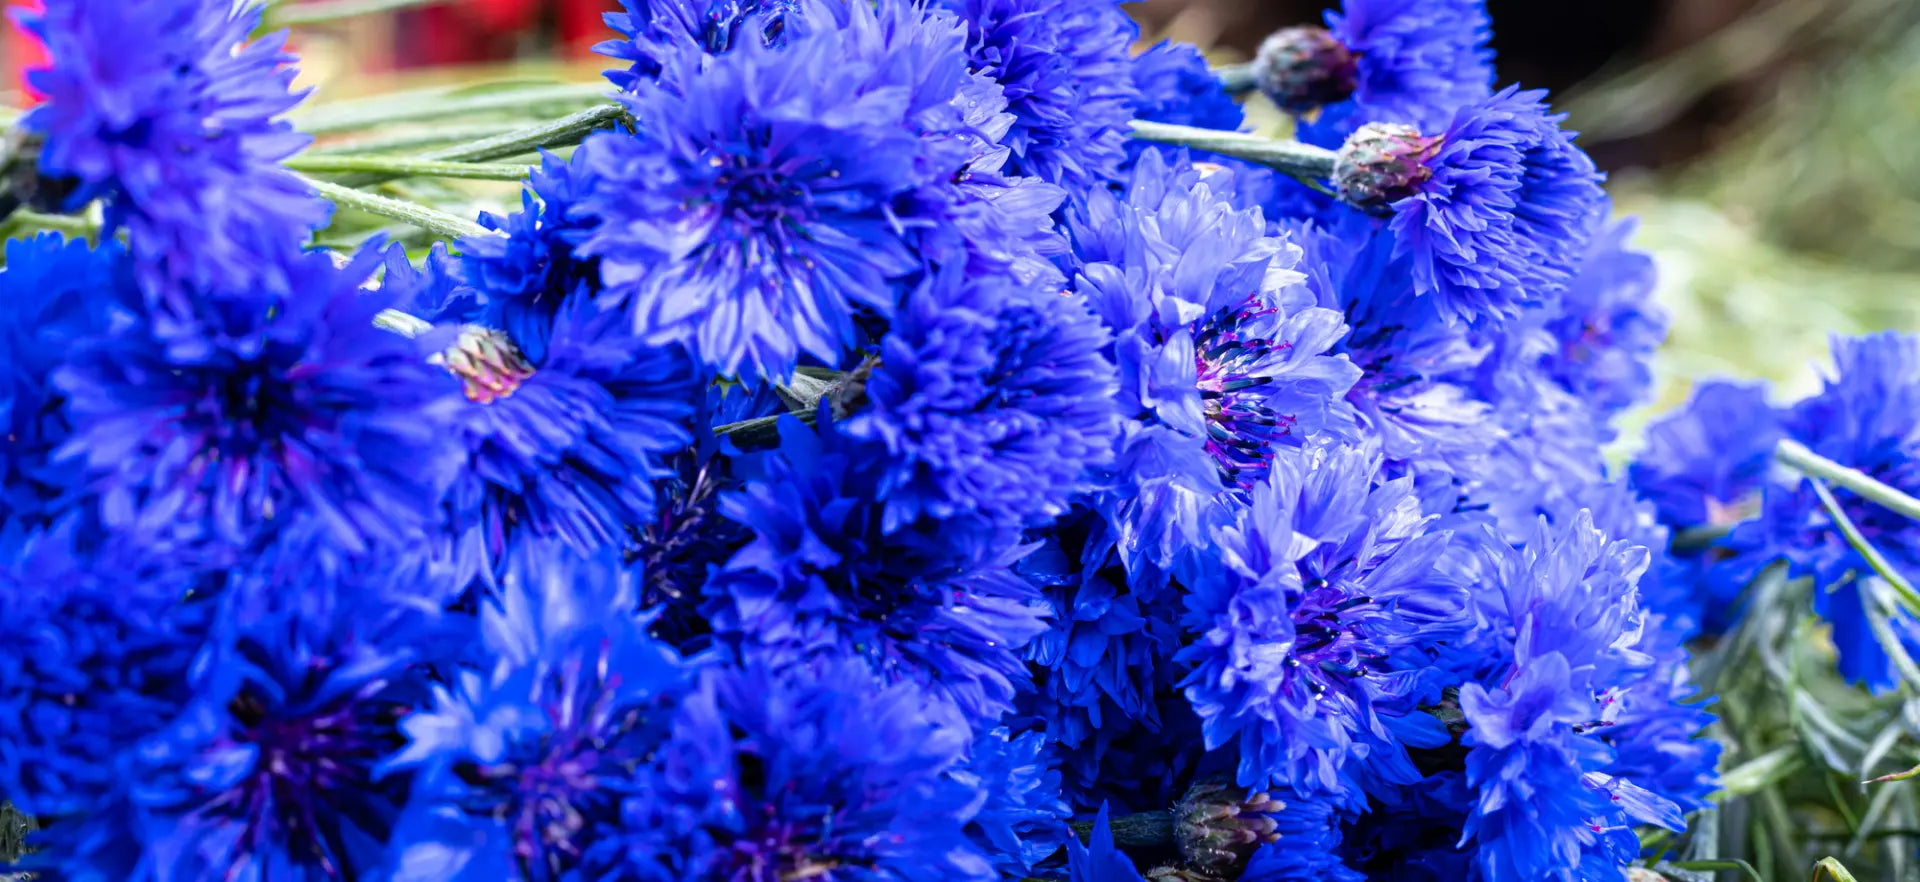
<point x="1830" y="868"/>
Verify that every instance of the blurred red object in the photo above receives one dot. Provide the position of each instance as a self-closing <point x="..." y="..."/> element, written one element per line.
<point x="24" y="50"/>
<point x="470" y="31"/>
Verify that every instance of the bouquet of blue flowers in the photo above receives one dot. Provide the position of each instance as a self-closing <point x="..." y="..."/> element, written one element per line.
<point x="893" y="440"/>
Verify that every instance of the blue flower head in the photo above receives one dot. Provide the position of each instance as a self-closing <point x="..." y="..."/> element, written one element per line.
<point x="1416" y="392"/>
<point x="522" y="759"/>
<point x="1608" y="325"/>
<point x="1064" y="66"/>
<point x="779" y="772"/>
<point x="569" y="446"/>
<point x="1307" y="844"/>
<point x="1495" y="212"/>
<point x="1401" y="61"/>
<point x="1176" y="86"/>
<point x="929" y="602"/>
<point x="1023" y="820"/>
<point x="652" y="31"/>
<point x="1862" y="418"/>
<point x="1565" y="611"/>
<point x="988" y="399"/>
<point x="769" y="197"/>
<point x="1704" y="461"/>
<point x="46" y="290"/>
<point x="1221" y="356"/>
<point x="520" y="281"/>
<point x="270" y="772"/>
<point x="179" y="130"/>
<point x="96" y="662"/>
<point x="246" y="414"/>
<point x="1317" y="625"/>
<point x="1102" y="667"/>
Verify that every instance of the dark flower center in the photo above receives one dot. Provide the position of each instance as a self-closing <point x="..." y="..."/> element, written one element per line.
<point x="310" y="770"/>
<point x="1241" y="427"/>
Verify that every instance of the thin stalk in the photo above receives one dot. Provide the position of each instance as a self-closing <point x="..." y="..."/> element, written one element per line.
<point x="1796" y="456"/>
<point x="1881" y="566"/>
<point x="327" y="11"/>
<point x="563" y="132"/>
<point x="1137" y="831"/>
<point x="1237" y="79"/>
<point x="1303" y="161"/>
<point x="412" y="140"/>
<point x="34" y="220"/>
<point x="403" y="166"/>
<point x="435" y="104"/>
<point x="432" y="220"/>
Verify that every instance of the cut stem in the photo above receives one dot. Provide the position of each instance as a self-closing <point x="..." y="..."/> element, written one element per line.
<point x="1303" y="161"/>
<point x="435" y="104"/>
<point x="407" y="167"/>
<point x="1796" y="456"/>
<point x="432" y="220"/>
<point x="1237" y="79"/>
<point x="563" y="132"/>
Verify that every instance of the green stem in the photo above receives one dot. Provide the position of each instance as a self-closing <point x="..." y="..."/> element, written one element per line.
<point x="1796" y="456"/>
<point x="326" y="11"/>
<point x="566" y="131"/>
<point x="403" y="166"/>
<point x="1303" y="161"/>
<point x="430" y="219"/>
<point x="351" y="116"/>
<point x="34" y="220"/>
<point x="1237" y="79"/>
<point x="1878" y="562"/>
<point x="1140" y="830"/>
<point x="404" y="324"/>
<point x="412" y="140"/>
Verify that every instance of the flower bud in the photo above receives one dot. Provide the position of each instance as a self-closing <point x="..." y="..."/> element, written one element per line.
<point x="1305" y="68"/>
<point x="1381" y="164"/>
<point x="488" y="364"/>
<point x="1217" y="830"/>
<point x="850" y="394"/>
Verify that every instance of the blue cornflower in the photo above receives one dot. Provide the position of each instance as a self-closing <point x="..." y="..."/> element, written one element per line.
<point x="930" y="602"/>
<point x="1316" y="626"/>
<point x="1413" y="834"/>
<point x="1608" y="325"/>
<point x="269" y="773"/>
<point x="246" y="414"/>
<point x="1099" y="860"/>
<point x="1064" y="66"/>
<point x="1495" y="212"/>
<point x="1176" y="86"/>
<point x="1222" y="358"/>
<point x="95" y="662"/>
<point x="987" y="399"/>
<point x="1705" y="461"/>
<point x="519" y="281"/>
<point x="178" y="130"/>
<point x="1564" y="612"/>
<point x="569" y="446"/>
<point x="1307" y="848"/>
<point x="1023" y="820"/>
<point x="1863" y="418"/>
<point x="1416" y="389"/>
<point x="521" y="759"/>
<point x="771" y="196"/>
<point x="46" y="288"/>
<point x="1401" y="61"/>
<point x="1101" y="668"/>
<point x="779" y="772"/>
<point x="654" y="30"/>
